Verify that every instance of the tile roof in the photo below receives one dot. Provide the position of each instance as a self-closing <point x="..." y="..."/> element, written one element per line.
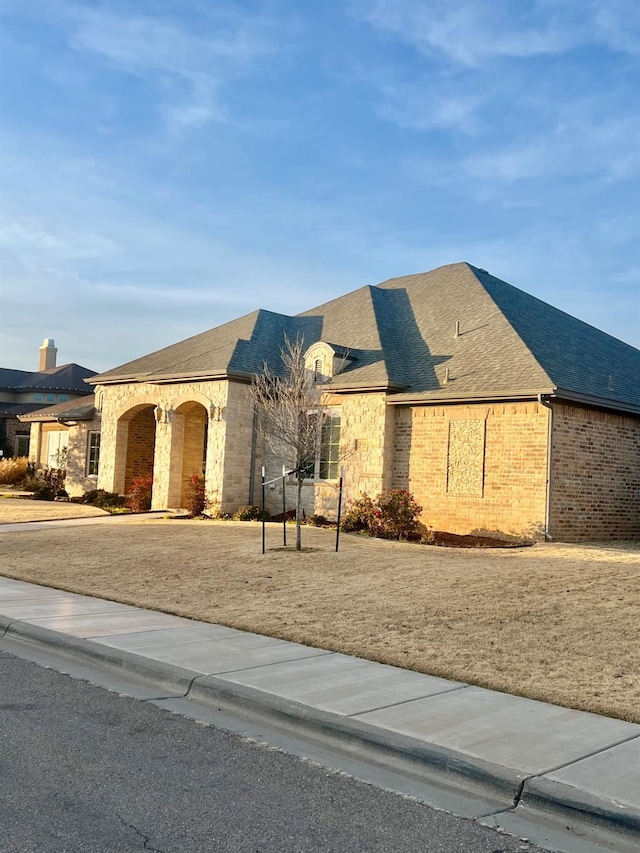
<point x="456" y="332"/>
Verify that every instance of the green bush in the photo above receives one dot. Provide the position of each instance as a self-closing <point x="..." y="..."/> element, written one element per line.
<point x="392" y="515"/>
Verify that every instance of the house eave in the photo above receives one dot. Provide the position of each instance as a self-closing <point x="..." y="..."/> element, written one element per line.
<point x="597" y="402"/>
<point x="427" y="397"/>
<point x="171" y="378"/>
<point x="553" y="393"/>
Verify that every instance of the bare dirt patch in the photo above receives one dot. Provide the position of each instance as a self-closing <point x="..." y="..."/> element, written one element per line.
<point x="560" y="623"/>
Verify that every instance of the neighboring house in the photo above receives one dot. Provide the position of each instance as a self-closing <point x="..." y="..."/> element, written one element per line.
<point x="25" y="391"/>
<point x="72" y="427"/>
<point x="499" y="412"/>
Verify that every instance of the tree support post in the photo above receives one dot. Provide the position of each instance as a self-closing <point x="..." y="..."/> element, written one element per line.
<point x="339" y="508"/>
<point x="263" y="521"/>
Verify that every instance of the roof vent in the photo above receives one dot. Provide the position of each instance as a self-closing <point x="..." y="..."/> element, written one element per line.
<point x="610" y="383"/>
<point x="447" y="377"/>
<point x="486" y="272"/>
<point x="457" y="331"/>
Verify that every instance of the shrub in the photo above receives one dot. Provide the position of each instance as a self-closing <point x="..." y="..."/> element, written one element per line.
<point x="103" y="499"/>
<point x="44" y="493"/>
<point x="30" y="484"/>
<point x="360" y="516"/>
<point x="399" y="515"/>
<point x="392" y="515"/>
<point x="139" y="498"/>
<point x="13" y="471"/>
<point x="54" y="478"/>
<point x="250" y="513"/>
<point x="195" y="501"/>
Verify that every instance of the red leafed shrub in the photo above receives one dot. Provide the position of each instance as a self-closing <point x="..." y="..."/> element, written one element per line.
<point x="195" y="500"/>
<point x="139" y="498"/>
<point x="392" y="515"/>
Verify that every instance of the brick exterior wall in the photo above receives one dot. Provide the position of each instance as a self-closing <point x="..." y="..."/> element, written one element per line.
<point x="480" y="468"/>
<point x="141" y="444"/>
<point x="595" y="489"/>
<point x="11" y="427"/>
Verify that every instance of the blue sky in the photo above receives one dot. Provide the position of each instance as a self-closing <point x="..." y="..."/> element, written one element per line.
<point x="168" y="165"/>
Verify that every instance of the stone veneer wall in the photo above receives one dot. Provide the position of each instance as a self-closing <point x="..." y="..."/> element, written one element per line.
<point x="595" y="489"/>
<point x="366" y="443"/>
<point x="77" y="482"/>
<point x="229" y="433"/>
<point x="475" y="467"/>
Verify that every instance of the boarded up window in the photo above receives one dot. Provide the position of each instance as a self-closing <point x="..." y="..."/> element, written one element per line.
<point x="465" y="459"/>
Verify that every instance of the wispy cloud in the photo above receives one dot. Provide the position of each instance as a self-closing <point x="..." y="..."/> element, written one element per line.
<point x="187" y="59"/>
<point x="607" y="149"/>
<point x="169" y="52"/>
<point x="470" y="32"/>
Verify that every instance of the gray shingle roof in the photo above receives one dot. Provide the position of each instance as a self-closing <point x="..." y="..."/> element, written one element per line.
<point x="67" y="377"/>
<point x="401" y="336"/>
<point x="15" y="409"/>
<point x="80" y="409"/>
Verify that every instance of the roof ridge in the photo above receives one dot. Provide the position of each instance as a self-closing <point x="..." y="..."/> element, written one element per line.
<point x="474" y="272"/>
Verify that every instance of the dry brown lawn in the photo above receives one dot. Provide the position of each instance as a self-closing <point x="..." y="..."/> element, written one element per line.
<point x="15" y="510"/>
<point x="560" y="623"/>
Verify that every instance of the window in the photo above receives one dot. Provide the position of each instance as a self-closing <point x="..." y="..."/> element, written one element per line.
<point x="22" y="445"/>
<point x="51" y="398"/>
<point x="325" y="464"/>
<point x="37" y="398"/>
<point x="93" y="457"/>
<point x="62" y="398"/>
<point x="330" y="448"/>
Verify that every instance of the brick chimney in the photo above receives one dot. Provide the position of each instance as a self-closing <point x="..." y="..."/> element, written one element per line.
<point x="48" y="353"/>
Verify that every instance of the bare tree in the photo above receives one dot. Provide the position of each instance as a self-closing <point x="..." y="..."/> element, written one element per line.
<point x="290" y="416"/>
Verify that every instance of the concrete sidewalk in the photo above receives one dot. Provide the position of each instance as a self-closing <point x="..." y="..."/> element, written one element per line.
<point x="565" y="779"/>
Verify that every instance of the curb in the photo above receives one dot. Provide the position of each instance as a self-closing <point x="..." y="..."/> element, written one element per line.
<point x="424" y="762"/>
<point x="557" y="798"/>
<point x="508" y="793"/>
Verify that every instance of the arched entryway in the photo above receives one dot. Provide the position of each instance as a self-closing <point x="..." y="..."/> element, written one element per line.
<point x="188" y="449"/>
<point x="135" y="446"/>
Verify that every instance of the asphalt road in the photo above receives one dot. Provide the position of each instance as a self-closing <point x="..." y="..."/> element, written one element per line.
<point x="82" y="769"/>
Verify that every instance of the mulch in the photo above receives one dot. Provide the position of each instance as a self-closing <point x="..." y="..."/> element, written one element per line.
<point x="470" y="540"/>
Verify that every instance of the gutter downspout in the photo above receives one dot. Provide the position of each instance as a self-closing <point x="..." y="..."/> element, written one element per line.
<point x="547" y="512"/>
